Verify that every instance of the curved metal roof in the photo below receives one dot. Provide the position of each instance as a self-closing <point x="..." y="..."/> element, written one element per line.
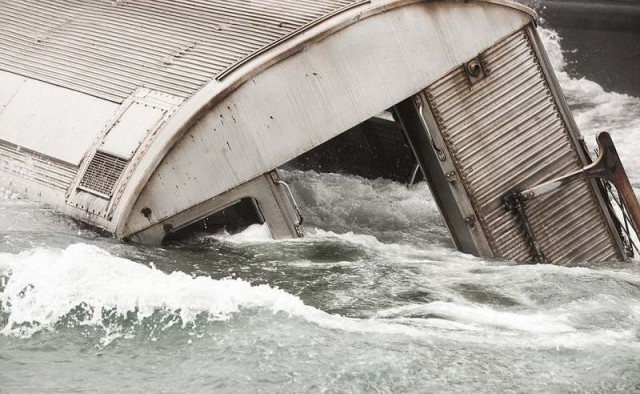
<point x="108" y="48"/>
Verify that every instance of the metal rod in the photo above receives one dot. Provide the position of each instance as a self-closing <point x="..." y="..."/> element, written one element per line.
<point x="293" y="202"/>
<point x="414" y="175"/>
<point x="607" y="166"/>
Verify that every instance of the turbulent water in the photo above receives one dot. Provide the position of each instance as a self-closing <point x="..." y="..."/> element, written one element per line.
<point x="375" y="299"/>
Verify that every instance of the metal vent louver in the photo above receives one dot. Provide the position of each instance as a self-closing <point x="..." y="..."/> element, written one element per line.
<point x="506" y="130"/>
<point x="103" y="174"/>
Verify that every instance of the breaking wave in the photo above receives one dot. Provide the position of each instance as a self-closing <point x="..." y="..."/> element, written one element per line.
<point x="84" y="285"/>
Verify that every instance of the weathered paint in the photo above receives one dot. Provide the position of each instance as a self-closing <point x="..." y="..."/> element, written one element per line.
<point x="315" y="94"/>
<point x="108" y="49"/>
<point x="506" y="132"/>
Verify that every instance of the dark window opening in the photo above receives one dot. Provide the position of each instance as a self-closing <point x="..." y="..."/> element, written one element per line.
<point x="233" y="219"/>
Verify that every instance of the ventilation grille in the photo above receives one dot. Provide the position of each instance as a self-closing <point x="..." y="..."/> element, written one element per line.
<point x="108" y="48"/>
<point x="103" y="174"/>
<point x="505" y="131"/>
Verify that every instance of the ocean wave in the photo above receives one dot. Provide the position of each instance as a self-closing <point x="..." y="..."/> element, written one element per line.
<point x="87" y="286"/>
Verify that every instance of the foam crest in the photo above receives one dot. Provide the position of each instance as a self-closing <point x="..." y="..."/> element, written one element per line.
<point x="42" y="286"/>
<point x="260" y="234"/>
<point x="256" y="233"/>
<point x="386" y="209"/>
<point x="479" y="316"/>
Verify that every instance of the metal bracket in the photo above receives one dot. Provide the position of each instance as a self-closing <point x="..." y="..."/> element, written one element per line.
<point x="292" y="200"/>
<point x="475" y="70"/>
<point x="607" y="166"/>
<point x="471" y="221"/>
<point x="452" y="177"/>
<point x="441" y="155"/>
<point x="515" y="202"/>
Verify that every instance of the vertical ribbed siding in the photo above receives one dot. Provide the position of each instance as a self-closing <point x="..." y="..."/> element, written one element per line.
<point x="506" y="131"/>
<point x="108" y="48"/>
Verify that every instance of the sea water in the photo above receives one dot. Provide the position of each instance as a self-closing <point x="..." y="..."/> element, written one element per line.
<point x="374" y="299"/>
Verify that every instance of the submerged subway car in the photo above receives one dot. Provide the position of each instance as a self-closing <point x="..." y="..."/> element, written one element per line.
<point x="143" y="117"/>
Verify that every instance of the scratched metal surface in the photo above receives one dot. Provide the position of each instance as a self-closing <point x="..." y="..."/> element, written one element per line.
<point x="507" y="131"/>
<point x="108" y="48"/>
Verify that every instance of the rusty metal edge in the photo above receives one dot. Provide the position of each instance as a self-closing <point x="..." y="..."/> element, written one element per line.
<point x="512" y="4"/>
<point x="304" y="28"/>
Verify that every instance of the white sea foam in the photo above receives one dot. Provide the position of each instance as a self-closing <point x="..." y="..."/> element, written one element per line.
<point x="43" y="285"/>
<point x="597" y="110"/>
<point x="480" y="315"/>
<point x="386" y="209"/>
<point x="256" y="233"/>
<point x="260" y="234"/>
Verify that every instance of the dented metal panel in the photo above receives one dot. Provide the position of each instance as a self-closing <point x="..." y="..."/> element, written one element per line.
<point x="109" y="48"/>
<point x="116" y="151"/>
<point x="503" y="129"/>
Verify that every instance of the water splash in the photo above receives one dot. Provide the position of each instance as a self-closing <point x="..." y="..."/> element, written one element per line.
<point x="596" y="110"/>
<point x="382" y="208"/>
<point x="85" y="285"/>
<point x="44" y="285"/>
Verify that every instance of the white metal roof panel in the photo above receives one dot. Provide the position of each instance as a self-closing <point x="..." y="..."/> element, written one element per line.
<point x="131" y="129"/>
<point x="52" y="121"/>
<point x="108" y="48"/>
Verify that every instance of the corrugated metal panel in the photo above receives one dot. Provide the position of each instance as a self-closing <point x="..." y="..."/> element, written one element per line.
<point x="505" y="131"/>
<point x="31" y="165"/>
<point x="108" y="48"/>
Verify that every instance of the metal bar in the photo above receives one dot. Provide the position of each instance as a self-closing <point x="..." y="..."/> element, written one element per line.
<point x="414" y="174"/>
<point x="293" y="201"/>
<point x="607" y="166"/>
<point x="613" y="168"/>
